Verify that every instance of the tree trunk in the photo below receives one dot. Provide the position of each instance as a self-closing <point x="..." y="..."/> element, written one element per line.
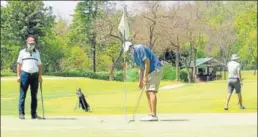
<point x="188" y="75"/>
<point x="177" y="65"/>
<point x="93" y="52"/>
<point x="177" y="61"/>
<point x="111" y="73"/>
<point x="194" y="63"/>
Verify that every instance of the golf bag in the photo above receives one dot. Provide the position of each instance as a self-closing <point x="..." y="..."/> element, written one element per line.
<point x="82" y="101"/>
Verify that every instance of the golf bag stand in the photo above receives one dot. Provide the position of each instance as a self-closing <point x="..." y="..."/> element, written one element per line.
<point x="82" y="101"/>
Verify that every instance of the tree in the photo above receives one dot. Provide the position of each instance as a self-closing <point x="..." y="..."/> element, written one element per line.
<point x="61" y="27"/>
<point x="218" y="20"/>
<point x="245" y="27"/>
<point x="148" y="19"/>
<point x="21" y="19"/>
<point x="189" y="38"/>
<point x="170" y="27"/>
<point x="108" y="35"/>
<point x="86" y="13"/>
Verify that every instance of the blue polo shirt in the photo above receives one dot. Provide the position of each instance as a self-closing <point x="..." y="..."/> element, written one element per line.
<point x="140" y="53"/>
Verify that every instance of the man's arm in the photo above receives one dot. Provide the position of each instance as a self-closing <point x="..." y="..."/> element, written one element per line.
<point x="146" y="70"/>
<point x="141" y="70"/>
<point x="18" y="69"/>
<point x="40" y="70"/>
<point x="19" y="66"/>
<point x="239" y="75"/>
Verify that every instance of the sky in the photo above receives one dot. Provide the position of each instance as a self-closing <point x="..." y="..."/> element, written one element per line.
<point x="66" y="8"/>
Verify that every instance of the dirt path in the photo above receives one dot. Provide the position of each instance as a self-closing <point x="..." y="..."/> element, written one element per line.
<point x="169" y="125"/>
<point x="169" y="87"/>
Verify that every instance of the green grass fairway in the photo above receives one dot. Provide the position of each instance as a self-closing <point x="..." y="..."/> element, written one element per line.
<point x="108" y="97"/>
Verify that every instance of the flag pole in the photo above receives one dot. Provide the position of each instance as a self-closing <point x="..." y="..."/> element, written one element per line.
<point x="125" y="69"/>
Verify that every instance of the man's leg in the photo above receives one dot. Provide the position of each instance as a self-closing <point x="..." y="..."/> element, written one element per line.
<point x="24" y="84"/>
<point x="149" y="101"/>
<point x="238" y="91"/>
<point x="227" y="100"/>
<point x="240" y="99"/>
<point x="230" y="91"/>
<point x="34" y="91"/>
<point x="153" y="101"/>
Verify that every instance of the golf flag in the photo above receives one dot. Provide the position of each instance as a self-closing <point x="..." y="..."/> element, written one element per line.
<point x="124" y="27"/>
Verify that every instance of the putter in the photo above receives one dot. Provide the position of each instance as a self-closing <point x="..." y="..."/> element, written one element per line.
<point x="138" y="102"/>
<point x="42" y="101"/>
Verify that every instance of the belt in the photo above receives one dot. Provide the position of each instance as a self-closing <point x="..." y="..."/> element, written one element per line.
<point x="233" y="78"/>
<point x="156" y="69"/>
<point x="30" y="73"/>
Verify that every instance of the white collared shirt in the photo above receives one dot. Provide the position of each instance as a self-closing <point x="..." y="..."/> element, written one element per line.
<point x="233" y="69"/>
<point x="29" y="61"/>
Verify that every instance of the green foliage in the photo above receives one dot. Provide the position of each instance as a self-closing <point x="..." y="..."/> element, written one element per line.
<point x="132" y="75"/>
<point x="183" y="75"/>
<point x="50" y="54"/>
<point x="169" y="72"/>
<point x="246" y="30"/>
<point x="81" y="32"/>
<point x="7" y="72"/>
<point x="24" y="18"/>
<point x="66" y="48"/>
<point x="75" y="59"/>
<point x="104" y="62"/>
<point x="21" y="19"/>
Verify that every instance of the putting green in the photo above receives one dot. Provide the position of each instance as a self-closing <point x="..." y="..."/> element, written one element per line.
<point x="107" y="97"/>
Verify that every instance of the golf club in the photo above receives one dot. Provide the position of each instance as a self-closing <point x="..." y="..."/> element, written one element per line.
<point x="138" y="102"/>
<point x="42" y="101"/>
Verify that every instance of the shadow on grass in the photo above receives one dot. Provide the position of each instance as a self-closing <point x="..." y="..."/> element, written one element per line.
<point x="251" y="108"/>
<point x="60" y="118"/>
<point x="174" y="120"/>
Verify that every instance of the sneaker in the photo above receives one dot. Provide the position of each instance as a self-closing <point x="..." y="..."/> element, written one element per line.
<point x="242" y="107"/>
<point x="150" y="118"/>
<point x="21" y="116"/>
<point x="36" y="117"/>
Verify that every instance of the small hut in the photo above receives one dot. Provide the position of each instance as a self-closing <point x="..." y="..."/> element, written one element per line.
<point x="207" y="69"/>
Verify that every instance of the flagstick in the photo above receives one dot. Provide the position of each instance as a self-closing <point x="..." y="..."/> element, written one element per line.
<point x="125" y="76"/>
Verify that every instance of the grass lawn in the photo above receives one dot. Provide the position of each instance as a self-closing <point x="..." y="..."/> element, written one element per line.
<point x="107" y="97"/>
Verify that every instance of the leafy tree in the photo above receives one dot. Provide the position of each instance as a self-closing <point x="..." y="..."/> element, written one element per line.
<point x="82" y="32"/>
<point x="21" y="19"/>
<point x="246" y="31"/>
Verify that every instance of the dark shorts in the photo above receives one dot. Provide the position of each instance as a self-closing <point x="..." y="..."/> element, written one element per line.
<point x="234" y="84"/>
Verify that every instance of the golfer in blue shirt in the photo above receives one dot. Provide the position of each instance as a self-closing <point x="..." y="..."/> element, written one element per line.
<point x="150" y="74"/>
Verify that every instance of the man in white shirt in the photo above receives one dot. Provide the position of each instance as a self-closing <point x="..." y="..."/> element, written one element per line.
<point x="29" y="74"/>
<point x="234" y="80"/>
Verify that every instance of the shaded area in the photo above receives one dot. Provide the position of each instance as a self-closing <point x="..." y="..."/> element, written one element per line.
<point x="174" y="120"/>
<point x="60" y="118"/>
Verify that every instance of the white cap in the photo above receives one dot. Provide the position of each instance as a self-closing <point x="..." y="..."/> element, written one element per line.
<point x="126" y="46"/>
<point x="234" y="57"/>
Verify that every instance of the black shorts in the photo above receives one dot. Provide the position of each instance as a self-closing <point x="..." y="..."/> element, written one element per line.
<point x="234" y="83"/>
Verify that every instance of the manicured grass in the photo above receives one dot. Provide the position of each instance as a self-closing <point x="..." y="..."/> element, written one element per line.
<point x="107" y="97"/>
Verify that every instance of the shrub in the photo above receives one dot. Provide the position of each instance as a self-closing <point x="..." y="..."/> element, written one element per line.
<point x="183" y="75"/>
<point x="7" y="72"/>
<point x="169" y="72"/>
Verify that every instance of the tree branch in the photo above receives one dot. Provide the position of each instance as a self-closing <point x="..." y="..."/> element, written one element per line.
<point x="149" y="18"/>
<point x="112" y="35"/>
